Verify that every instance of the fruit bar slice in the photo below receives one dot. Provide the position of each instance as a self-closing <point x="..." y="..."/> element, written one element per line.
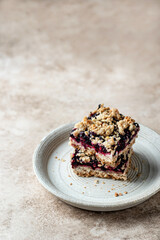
<point x="107" y="132"/>
<point x="85" y="165"/>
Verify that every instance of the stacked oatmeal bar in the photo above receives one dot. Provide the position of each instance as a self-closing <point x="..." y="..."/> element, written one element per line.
<point x="103" y="144"/>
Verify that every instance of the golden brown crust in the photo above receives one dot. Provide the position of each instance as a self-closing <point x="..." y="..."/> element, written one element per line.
<point x="100" y="174"/>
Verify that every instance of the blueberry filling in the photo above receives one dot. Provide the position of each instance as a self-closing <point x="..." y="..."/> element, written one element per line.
<point x="73" y="129"/>
<point x="94" y="163"/>
<point x="99" y="106"/>
<point x="86" y="140"/>
<point x="125" y="139"/>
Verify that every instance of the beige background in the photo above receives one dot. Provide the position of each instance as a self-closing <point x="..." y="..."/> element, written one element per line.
<point x="58" y="61"/>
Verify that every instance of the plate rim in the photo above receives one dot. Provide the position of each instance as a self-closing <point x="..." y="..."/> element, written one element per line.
<point x="123" y="204"/>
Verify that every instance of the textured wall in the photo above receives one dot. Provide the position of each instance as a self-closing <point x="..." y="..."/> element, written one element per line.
<point x="58" y="60"/>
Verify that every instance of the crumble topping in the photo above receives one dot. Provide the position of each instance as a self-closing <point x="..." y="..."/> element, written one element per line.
<point x="105" y="126"/>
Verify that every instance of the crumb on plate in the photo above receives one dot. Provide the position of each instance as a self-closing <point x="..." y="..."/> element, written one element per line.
<point x="116" y="194"/>
<point x="96" y="181"/>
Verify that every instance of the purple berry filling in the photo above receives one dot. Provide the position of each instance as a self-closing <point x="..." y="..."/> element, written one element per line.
<point x="94" y="163"/>
<point x="86" y="141"/>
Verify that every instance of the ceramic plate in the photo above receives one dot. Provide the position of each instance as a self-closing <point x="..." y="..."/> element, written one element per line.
<point x="51" y="162"/>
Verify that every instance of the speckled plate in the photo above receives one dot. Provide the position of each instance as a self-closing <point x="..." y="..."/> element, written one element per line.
<point x="51" y="162"/>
